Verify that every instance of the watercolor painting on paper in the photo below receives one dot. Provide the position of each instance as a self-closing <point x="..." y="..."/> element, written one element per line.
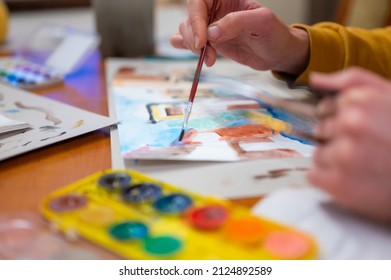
<point x="150" y="98"/>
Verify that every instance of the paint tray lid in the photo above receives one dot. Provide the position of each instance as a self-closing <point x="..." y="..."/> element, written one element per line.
<point x="61" y="48"/>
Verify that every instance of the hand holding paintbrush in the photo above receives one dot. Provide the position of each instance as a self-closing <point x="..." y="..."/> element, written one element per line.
<point x="196" y="77"/>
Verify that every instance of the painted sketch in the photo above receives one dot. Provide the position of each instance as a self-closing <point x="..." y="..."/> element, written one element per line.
<point x="150" y="98"/>
<point x="49" y="121"/>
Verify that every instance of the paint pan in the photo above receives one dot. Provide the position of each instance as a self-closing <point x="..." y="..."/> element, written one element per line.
<point x="208" y="217"/>
<point x="143" y="192"/>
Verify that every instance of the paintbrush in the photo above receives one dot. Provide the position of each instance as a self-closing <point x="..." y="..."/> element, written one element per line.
<point x="196" y="77"/>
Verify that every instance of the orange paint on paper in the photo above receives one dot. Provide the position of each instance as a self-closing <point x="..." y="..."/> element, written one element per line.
<point x="248" y="130"/>
<point x="189" y="135"/>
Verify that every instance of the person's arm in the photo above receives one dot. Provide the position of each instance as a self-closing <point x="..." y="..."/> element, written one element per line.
<point x="3" y="21"/>
<point x="334" y="47"/>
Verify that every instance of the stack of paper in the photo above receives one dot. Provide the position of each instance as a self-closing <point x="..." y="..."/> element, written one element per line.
<point x="49" y="121"/>
<point x="8" y="125"/>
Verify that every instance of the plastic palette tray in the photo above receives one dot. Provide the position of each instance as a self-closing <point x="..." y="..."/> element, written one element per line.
<point x="26" y="74"/>
<point x="139" y="217"/>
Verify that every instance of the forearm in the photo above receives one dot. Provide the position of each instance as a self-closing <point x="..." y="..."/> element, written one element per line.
<point x="334" y="47"/>
<point x="295" y="58"/>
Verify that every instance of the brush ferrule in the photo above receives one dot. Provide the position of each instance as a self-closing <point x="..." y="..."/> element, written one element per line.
<point x="187" y="114"/>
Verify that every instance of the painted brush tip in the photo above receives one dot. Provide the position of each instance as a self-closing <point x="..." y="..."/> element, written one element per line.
<point x="181" y="135"/>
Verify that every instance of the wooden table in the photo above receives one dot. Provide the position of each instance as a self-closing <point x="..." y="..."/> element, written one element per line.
<point x="26" y="179"/>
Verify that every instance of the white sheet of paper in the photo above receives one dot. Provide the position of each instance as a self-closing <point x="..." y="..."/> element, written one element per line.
<point x="9" y="125"/>
<point x="340" y="234"/>
<point x="51" y="121"/>
<point x="280" y="143"/>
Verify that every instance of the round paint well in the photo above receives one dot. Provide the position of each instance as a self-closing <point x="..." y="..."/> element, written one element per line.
<point x="286" y="245"/>
<point x="173" y="203"/>
<point x="114" y="181"/>
<point x="207" y="217"/>
<point x="129" y="230"/>
<point x="248" y="230"/>
<point x="68" y="203"/>
<point x="97" y="215"/>
<point x="142" y="192"/>
<point x="162" y="245"/>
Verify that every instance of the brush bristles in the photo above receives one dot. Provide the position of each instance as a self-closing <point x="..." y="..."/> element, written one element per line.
<point x="181" y="135"/>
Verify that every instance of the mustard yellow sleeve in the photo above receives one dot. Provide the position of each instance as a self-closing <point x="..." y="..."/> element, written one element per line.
<point x="3" y="21"/>
<point x="334" y="47"/>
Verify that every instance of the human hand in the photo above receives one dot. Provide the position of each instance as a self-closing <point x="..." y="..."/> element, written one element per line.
<point x="354" y="164"/>
<point x="244" y="31"/>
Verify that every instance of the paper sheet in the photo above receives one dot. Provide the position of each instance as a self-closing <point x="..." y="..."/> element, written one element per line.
<point x="340" y="234"/>
<point x="7" y="125"/>
<point x="51" y="121"/>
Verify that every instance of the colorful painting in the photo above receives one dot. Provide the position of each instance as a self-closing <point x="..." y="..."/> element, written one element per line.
<point x="150" y="97"/>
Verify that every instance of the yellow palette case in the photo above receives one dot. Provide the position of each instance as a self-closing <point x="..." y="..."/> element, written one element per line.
<point x="139" y="217"/>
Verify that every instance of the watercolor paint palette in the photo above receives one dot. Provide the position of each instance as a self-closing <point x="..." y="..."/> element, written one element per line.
<point x="47" y="56"/>
<point x="27" y="75"/>
<point x="139" y="217"/>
